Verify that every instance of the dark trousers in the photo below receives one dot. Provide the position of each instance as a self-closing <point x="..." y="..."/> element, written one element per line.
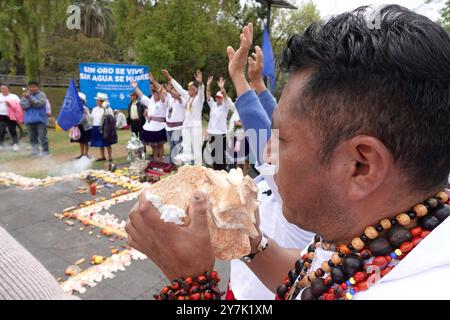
<point x="6" y="124"/>
<point x="217" y="146"/>
<point x="175" y="139"/>
<point x="38" y="136"/>
<point x="136" y="128"/>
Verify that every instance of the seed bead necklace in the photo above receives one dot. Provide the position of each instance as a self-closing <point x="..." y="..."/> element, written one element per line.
<point x="354" y="267"/>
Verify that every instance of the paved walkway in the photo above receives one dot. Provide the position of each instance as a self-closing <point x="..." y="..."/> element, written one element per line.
<point x="29" y="217"/>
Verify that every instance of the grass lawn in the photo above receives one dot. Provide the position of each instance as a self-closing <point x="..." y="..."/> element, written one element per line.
<point x="62" y="153"/>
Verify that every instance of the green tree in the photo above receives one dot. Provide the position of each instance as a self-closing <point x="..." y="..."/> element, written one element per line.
<point x="286" y="23"/>
<point x="24" y="24"/>
<point x="445" y="12"/>
<point x="97" y="17"/>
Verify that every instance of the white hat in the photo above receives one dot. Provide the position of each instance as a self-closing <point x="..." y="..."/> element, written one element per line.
<point x="82" y="96"/>
<point x="101" y="96"/>
<point x="219" y="94"/>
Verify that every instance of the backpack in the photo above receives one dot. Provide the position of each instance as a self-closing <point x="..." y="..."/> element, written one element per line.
<point x="109" y="129"/>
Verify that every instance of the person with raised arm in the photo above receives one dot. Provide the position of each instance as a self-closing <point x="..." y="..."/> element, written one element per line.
<point x="154" y="129"/>
<point x="217" y="125"/>
<point x="192" y="127"/>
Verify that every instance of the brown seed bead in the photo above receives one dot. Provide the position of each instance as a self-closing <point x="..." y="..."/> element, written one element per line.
<point x="386" y="224"/>
<point x="358" y="244"/>
<point x="305" y="282"/>
<point x="371" y="233"/>
<point x="403" y="219"/>
<point x="312" y="276"/>
<point x="420" y="210"/>
<point x="442" y="197"/>
<point x="336" y="259"/>
<point x="326" y="267"/>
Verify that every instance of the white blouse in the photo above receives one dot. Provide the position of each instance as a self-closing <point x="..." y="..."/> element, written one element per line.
<point x="154" y="109"/>
<point x="97" y="115"/>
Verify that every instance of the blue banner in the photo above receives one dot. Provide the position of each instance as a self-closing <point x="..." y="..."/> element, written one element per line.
<point x="72" y="109"/>
<point x="114" y="80"/>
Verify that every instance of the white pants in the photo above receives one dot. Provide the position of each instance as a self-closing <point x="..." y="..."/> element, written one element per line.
<point x="193" y="142"/>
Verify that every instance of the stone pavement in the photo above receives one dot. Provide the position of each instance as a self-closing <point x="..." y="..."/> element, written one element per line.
<point x="28" y="215"/>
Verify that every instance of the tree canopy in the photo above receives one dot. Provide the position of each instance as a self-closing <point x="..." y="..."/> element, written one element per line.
<point x="179" y="35"/>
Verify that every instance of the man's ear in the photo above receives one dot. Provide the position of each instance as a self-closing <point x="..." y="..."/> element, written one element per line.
<point x="371" y="164"/>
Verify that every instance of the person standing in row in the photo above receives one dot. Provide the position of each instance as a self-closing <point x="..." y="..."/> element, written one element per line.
<point x="174" y="121"/>
<point x="217" y="126"/>
<point x="10" y="114"/>
<point x="34" y="103"/>
<point x="154" y="130"/>
<point x="85" y="128"/>
<point x="192" y="128"/>
<point x="136" y="119"/>
<point x="98" y="115"/>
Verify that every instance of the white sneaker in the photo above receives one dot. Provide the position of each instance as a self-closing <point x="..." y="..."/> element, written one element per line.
<point x="15" y="148"/>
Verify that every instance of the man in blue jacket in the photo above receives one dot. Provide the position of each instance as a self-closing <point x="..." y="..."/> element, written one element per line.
<point x="33" y="103"/>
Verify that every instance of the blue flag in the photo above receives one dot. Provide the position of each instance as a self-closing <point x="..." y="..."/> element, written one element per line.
<point x="269" y="62"/>
<point x="72" y="109"/>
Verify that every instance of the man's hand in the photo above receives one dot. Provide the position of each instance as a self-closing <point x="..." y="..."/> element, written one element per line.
<point x="151" y="77"/>
<point x="221" y="84"/>
<point x="238" y="60"/>
<point x="198" y="76"/>
<point x="167" y="75"/>
<point x="255" y="70"/>
<point x="179" y="251"/>
<point x="25" y="94"/>
<point x="134" y="84"/>
<point x="210" y="80"/>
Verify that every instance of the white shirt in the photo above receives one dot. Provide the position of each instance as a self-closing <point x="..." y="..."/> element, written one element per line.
<point x="3" y="107"/>
<point x="134" y="115"/>
<point x="194" y="106"/>
<point x="97" y="115"/>
<point x="243" y="282"/>
<point x="154" y="109"/>
<point x="175" y="112"/>
<point x="218" y="116"/>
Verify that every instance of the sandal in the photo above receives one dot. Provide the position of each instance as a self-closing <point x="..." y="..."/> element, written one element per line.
<point x="100" y="160"/>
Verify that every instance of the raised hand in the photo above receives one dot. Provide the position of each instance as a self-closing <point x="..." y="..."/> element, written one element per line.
<point x="167" y="75"/>
<point x="198" y="76"/>
<point x="210" y="80"/>
<point x="134" y="84"/>
<point x="255" y="66"/>
<point x="221" y="83"/>
<point x="238" y="59"/>
<point x="151" y="77"/>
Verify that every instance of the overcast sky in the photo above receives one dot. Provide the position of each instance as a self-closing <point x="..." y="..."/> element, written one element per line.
<point x="330" y="7"/>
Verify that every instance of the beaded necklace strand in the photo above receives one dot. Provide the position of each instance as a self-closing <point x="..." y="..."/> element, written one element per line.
<point x="356" y="266"/>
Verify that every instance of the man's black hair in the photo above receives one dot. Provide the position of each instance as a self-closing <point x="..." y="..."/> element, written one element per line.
<point x="388" y="78"/>
<point x="33" y="83"/>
